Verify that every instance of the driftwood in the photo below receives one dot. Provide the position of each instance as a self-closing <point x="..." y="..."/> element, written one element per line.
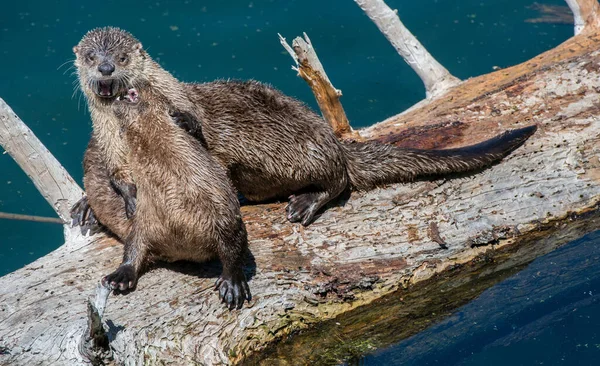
<point x="365" y="248"/>
<point x="586" y="14"/>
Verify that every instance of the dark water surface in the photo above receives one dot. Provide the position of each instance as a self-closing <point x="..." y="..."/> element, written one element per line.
<point x="546" y="314"/>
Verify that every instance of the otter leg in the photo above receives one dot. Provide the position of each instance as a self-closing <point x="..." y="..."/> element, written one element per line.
<point x="303" y="207"/>
<point x="128" y="192"/>
<point x="232" y="285"/>
<point x="134" y="257"/>
<point x="106" y="205"/>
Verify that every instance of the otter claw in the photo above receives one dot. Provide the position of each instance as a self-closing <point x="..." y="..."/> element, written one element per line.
<point x="83" y="216"/>
<point x="233" y="290"/>
<point x="123" y="278"/>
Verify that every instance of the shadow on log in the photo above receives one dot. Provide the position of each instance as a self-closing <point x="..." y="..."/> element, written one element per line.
<point x="362" y="250"/>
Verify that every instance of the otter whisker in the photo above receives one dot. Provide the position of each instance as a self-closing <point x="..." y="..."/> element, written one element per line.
<point x="72" y="67"/>
<point x="66" y="62"/>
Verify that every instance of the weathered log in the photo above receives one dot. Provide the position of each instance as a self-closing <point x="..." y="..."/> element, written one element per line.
<point x="365" y="247"/>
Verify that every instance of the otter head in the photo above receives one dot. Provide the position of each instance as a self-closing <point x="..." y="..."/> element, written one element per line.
<point x="109" y="62"/>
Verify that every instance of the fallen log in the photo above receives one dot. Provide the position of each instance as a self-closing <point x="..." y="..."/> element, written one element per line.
<point x="365" y="247"/>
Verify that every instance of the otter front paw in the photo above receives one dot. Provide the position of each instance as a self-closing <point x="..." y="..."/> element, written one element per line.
<point x="130" y="206"/>
<point x="184" y="120"/>
<point x="233" y="290"/>
<point x="83" y="216"/>
<point x="124" y="278"/>
<point x="128" y="192"/>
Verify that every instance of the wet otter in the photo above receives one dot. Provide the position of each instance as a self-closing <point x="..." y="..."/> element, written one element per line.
<point x="272" y="145"/>
<point x="186" y="208"/>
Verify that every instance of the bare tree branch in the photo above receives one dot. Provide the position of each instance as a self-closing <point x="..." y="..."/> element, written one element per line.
<point x="49" y="177"/>
<point x="435" y="77"/>
<point x="586" y="14"/>
<point x="12" y="216"/>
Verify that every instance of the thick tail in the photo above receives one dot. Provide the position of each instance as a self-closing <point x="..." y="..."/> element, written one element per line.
<point x="371" y="164"/>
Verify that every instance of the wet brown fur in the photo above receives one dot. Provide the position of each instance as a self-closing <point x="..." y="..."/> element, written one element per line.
<point x="274" y="146"/>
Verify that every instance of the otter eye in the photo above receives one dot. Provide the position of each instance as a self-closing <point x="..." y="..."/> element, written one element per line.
<point x="90" y="57"/>
<point x="123" y="59"/>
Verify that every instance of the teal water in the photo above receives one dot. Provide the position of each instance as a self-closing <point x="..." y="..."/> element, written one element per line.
<point x="546" y="314"/>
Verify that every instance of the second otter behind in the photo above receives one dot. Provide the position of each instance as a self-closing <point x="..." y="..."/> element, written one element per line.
<point x="186" y="208"/>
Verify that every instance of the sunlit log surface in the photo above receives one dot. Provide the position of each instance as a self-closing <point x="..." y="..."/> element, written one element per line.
<point x="365" y="247"/>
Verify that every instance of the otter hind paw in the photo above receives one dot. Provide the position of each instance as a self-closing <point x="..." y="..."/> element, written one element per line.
<point x="123" y="278"/>
<point x="184" y="120"/>
<point x="233" y="290"/>
<point x="302" y="208"/>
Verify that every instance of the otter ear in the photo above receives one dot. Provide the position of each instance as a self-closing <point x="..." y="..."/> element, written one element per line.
<point x="75" y="49"/>
<point x="138" y="47"/>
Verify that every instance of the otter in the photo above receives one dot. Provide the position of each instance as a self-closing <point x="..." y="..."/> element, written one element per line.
<point x="273" y="146"/>
<point x="186" y="207"/>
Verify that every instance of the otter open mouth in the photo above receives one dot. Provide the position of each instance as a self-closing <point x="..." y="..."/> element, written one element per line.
<point x="106" y="88"/>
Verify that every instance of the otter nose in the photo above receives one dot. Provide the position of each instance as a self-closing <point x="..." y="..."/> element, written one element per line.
<point x="106" y="68"/>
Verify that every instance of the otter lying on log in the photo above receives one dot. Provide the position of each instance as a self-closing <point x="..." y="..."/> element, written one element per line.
<point x="272" y="145"/>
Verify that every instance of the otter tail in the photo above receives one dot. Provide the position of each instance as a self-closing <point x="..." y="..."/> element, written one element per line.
<point x="371" y="164"/>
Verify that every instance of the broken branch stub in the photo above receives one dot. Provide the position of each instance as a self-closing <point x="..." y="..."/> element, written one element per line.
<point x="309" y="67"/>
<point x="49" y="177"/>
<point x="437" y="78"/>
<point x="94" y="343"/>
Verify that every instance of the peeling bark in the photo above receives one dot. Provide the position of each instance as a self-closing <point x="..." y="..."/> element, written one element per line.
<point x="361" y="249"/>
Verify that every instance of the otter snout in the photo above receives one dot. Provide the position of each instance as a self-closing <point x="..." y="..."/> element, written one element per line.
<point x="106" y="68"/>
